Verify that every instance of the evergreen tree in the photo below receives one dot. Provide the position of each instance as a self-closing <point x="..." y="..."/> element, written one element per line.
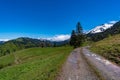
<point x="54" y="45"/>
<point x="80" y="36"/>
<point x="73" y="39"/>
<point x="77" y="38"/>
<point x="79" y="29"/>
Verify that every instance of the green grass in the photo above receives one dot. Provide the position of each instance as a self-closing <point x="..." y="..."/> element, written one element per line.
<point x="109" y="48"/>
<point x="6" y="60"/>
<point x="33" y="64"/>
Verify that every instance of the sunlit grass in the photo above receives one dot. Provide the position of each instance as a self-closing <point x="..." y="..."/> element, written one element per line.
<point x="109" y="48"/>
<point x="34" y="64"/>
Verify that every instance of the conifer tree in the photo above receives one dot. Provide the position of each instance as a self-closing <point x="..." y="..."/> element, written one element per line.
<point x="77" y="37"/>
<point x="80" y="35"/>
<point x="79" y="29"/>
<point x="73" y="39"/>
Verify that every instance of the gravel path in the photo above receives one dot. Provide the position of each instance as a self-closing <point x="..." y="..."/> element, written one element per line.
<point x="106" y="68"/>
<point x="76" y="68"/>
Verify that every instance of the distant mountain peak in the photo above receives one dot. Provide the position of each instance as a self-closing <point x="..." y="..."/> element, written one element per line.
<point x="102" y="27"/>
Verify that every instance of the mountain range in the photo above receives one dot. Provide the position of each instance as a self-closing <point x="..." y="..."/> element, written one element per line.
<point x="96" y="34"/>
<point x="102" y="32"/>
<point x="102" y="28"/>
<point x="60" y="38"/>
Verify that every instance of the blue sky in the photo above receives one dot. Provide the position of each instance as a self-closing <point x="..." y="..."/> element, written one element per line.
<point x="46" y="18"/>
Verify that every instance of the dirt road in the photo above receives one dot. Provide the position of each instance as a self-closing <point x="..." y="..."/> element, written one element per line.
<point x="85" y="65"/>
<point x="76" y="68"/>
<point x="106" y="68"/>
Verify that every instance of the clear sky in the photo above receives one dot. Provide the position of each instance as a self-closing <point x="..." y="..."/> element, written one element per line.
<point x="46" y="18"/>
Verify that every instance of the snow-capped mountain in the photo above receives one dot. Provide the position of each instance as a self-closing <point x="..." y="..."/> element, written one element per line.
<point x="102" y="28"/>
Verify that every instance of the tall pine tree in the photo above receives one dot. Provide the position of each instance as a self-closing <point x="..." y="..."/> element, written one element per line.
<point x="79" y="29"/>
<point x="73" y="39"/>
<point x="77" y="37"/>
<point x="80" y="35"/>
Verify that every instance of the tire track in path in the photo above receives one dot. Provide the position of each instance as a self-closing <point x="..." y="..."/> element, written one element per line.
<point x="76" y="68"/>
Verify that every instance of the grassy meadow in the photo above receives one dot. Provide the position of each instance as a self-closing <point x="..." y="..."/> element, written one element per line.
<point x="33" y="63"/>
<point x="109" y="48"/>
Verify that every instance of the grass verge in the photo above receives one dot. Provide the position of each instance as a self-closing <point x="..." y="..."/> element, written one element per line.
<point x="108" y="48"/>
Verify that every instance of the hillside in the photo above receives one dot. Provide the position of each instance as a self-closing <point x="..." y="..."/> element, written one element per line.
<point x="109" y="48"/>
<point x="33" y="63"/>
<point x="21" y="43"/>
<point x="24" y="43"/>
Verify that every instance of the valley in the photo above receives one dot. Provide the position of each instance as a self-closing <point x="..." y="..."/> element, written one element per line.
<point x="91" y="56"/>
<point x="59" y="39"/>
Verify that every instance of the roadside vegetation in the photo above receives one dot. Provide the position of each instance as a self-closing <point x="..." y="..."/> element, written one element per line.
<point x="33" y="63"/>
<point x="109" y="48"/>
